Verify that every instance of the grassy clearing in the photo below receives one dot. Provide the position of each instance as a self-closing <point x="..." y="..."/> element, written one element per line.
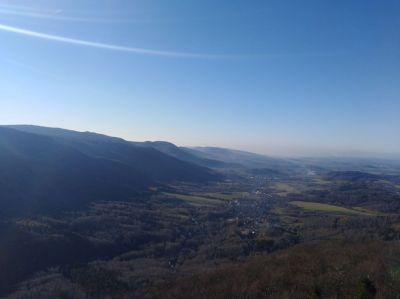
<point x="223" y="196"/>
<point x="368" y="211"/>
<point x="321" y="181"/>
<point x="195" y="199"/>
<point x="284" y="189"/>
<point x="287" y="217"/>
<point x="321" y="207"/>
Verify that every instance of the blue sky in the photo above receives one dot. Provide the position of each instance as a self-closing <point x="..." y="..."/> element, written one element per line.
<point x="275" y="77"/>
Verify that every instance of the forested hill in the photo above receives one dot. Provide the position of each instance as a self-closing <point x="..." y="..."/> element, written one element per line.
<point x="45" y="171"/>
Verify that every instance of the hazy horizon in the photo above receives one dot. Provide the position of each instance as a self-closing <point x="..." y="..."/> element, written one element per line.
<point x="287" y="79"/>
<point x="270" y="151"/>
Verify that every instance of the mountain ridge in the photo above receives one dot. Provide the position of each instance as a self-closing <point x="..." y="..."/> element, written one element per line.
<point x="53" y="173"/>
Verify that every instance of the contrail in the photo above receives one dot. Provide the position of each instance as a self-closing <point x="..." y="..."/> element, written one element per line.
<point x="57" y="17"/>
<point x="91" y="44"/>
<point x="21" y="8"/>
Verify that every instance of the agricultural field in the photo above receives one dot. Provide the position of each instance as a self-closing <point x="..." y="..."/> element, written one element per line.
<point x="320" y="207"/>
<point x="223" y="196"/>
<point x="196" y="199"/>
<point x="283" y="188"/>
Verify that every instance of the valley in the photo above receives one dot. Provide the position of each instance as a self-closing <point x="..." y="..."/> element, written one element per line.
<point x="153" y="240"/>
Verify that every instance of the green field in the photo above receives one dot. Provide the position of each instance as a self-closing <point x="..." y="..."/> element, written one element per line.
<point x="320" y="181"/>
<point x="195" y="199"/>
<point x="223" y="196"/>
<point x="284" y="189"/>
<point x="321" y="207"/>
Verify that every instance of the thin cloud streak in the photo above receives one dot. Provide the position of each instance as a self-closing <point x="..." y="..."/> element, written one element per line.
<point x="56" y="17"/>
<point x="47" y="10"/>
<point x="91" y="44"/>
<point x="71" y="16"/>
<point x="23" y="8"/>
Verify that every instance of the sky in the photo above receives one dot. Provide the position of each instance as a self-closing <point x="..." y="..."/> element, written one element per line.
<point x="311" y="77"/>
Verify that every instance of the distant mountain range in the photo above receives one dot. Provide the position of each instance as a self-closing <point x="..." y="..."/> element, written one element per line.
<point x="210" y="157"/>
<point x="241" y="158"/>
<point x="182" y="153"/>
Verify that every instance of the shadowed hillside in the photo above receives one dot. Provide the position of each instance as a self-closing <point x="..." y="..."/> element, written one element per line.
<point x="64" y="170"/>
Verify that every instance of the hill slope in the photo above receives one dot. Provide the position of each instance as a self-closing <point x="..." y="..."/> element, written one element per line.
<point x="147" y="160"/>
<point x="181" y="153"/>
<point x="55" y="172"/>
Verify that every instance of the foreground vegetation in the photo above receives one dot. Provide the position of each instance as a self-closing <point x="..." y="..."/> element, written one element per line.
<point x="341" y="269"/>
